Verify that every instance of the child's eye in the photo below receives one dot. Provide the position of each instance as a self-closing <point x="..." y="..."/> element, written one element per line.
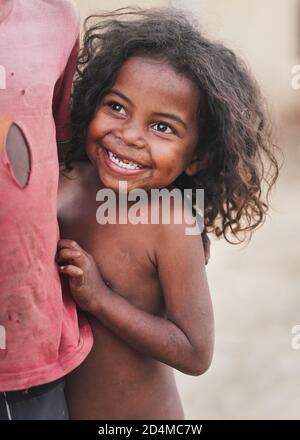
<point x="116" y="107"/>
<point x="163" y="128"/>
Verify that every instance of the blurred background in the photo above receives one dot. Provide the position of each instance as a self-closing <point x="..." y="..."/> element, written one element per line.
<point x="255" y="289"/>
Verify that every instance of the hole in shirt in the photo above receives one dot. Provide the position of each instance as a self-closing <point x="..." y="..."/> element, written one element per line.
<point x="18" y="154"/>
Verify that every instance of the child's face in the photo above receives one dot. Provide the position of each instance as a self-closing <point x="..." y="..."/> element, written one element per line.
<point x="145" y="129"/>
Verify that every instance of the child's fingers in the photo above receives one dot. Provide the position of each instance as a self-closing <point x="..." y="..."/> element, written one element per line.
<point x="70" y="251"/>
<point x="67" y="254"/>
<point x="75" y="275"/>
<point x="73" y="257"/>
<point x="72" y="271"/>
<point x="68" y="244"/>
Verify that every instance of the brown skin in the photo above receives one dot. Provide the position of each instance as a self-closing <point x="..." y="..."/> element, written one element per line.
<point x="143" y="286"/>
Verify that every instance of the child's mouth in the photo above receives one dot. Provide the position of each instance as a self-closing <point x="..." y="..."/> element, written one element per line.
<point x="121" y="164"/>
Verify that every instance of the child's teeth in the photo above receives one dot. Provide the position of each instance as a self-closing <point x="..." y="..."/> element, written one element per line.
<point x="124" y="164"/>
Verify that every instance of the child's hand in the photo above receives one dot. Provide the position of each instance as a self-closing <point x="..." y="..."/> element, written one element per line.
<point x="206" y="246"/>
<point x="84" y="276"/>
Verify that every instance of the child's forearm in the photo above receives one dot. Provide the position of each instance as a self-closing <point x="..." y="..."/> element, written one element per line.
<point x="151" y="335"/>
<point x="183" y="346"/>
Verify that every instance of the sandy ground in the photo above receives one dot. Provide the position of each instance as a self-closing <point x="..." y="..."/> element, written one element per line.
<point x="256" y="297"/>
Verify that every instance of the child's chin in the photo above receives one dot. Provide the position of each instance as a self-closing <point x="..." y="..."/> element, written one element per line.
<point x="120" y="185"/>
<point x="110" y="182"/>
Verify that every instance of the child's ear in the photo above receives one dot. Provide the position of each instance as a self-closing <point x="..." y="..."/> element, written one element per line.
<point x="196" y="165"/>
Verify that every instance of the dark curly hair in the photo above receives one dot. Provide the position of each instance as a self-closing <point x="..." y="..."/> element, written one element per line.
<point x="235" y="136"/>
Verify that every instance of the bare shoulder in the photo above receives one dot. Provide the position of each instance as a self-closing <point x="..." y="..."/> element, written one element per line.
<point x="177" y="222"/>
<point x="179" y="240"/>
<point x="68" y="176"/>
<point x="70" y="181"/>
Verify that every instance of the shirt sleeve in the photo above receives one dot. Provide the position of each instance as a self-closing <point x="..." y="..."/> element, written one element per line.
<point x="61" y="97"/>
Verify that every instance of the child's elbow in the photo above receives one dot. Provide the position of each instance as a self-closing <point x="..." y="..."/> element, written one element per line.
<point x="200" y="367"/>
<point x="199" y="363"/>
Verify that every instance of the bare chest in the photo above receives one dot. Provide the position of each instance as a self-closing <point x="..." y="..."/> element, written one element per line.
<point x="122" y="252"/>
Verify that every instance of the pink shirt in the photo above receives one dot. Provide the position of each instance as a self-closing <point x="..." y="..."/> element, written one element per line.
<point x="40" y="336"/>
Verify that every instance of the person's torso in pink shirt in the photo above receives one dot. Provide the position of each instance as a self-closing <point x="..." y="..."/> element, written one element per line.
<point x="40" y="339"/>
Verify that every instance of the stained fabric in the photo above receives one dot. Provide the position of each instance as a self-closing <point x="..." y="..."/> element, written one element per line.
<point x="40" y="338"/>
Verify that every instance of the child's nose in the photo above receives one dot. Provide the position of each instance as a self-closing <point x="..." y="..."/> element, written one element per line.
<point x="133" y="135"/>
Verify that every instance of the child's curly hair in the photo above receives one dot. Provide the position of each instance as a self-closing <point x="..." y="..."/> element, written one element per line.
<point x="234" y="134"/>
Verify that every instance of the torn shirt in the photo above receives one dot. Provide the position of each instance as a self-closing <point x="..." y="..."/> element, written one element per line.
<point x="41" y="337"/>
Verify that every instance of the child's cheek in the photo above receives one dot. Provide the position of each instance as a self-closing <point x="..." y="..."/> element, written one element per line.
<point x="92" y="129"/>
<point x="167" y="167"/>
<point x="99" y="126"/>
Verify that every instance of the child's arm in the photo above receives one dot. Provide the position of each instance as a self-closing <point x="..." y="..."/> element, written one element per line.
<point x="184" y="339"/>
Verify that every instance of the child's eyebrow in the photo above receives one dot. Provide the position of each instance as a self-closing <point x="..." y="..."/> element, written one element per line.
<point x="171" y="116"/>
<point x="164" y="115"/>
<point x="116" y="92"/>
